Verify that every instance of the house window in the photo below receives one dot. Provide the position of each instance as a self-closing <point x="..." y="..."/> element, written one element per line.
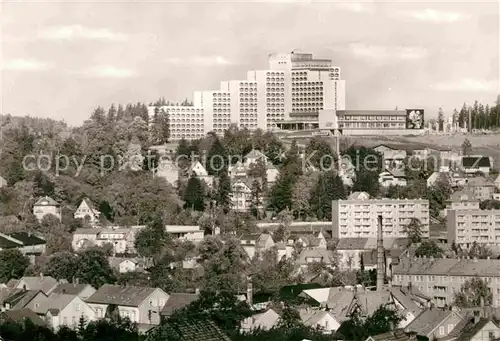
<point x="65" y="321"/>
<point x="450" y="328"/>
<point x="78" y="307"/>
<point x="441" y="330"/>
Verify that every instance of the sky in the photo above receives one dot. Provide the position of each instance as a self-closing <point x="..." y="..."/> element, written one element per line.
<point x="63" y="59"/>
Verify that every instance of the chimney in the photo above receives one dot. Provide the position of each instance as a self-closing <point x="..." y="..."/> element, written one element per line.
<point x="380" y="256"/>
<point x="249" y="291"/>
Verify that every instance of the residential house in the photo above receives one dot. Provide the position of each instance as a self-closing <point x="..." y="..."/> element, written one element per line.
<point x="319" y="319"/>
<point x="479" y="329"/>
<point x="351" y="250"/>
<point x="435" y="323"/>
<point x="81" y="290"/>
<point x="392" y="157"/>
<point x="255" y="244"/>
<point x="87" y="211"/>
<point x="192" y="233"/>
<point x="347" y="171"/>
<point x="473" y="164"/>
<point x="3" y="182"/>
<point x="121" y="239"/>
<point x="435" y="177"/>
<point x="316" y="255"/>
<point x="41" y="283"/>
<point x="177" y="301"/>
<point x="272" y="173"/>
<point x="242" y="195"/>
<point x="461" y="200"/>
<point x="25" y="242"/>
<point x="141" y="305"/>
<point x="441" y="278"/>
<point x="396" y="335"/>
<point x="201" y="173"/>
<point x="392" y="177"/>
<point x="358" y="196"/>
<point x="62" y="310"/>
<point x="309" y="240"/>
<point x="45" y="206"/>
<point x="238" y="170"/>
<point x="481" y="187"/>
<point x="449" y="157"/>
<point x="19" y="299"/>
<point x="422" y="153"/>
<point x="194" y="330"/>
<point x="169" y="170"/>
<point x="21" y="315"/>
<point x="263" y="321"/>
<point x="342" y="302"/>
<point x="254" y="156"/>
<point x="124" y="265"/>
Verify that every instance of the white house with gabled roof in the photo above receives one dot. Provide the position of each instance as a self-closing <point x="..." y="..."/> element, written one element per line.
<point x="87" y="211"/>
<point x="46" y="205"/>
<point x="201" y="173"/>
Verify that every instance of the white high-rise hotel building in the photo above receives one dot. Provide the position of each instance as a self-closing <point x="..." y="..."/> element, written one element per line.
<point x="288" y="95"/>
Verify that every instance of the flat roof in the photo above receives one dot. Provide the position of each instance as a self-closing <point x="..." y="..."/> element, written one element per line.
<point x="371" y="112"/>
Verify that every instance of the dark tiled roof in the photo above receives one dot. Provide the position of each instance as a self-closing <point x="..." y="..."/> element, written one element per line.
<point x="7" y="244"/>
<point x="46" y="201"/>
<point x="22" y="314"/>
<point x="429" y="320"/>
<point x="396" y="335"/>
<point x="27" y="239"/>
<point x="177" y="301"/>
<point x="69" y="288"/>
<point x="352" y="243"/>
<point x="20" y="299"/>
<point x="120" y="295"/>
<point x="472" y="329"/>
<point x="194" y="330"/>
<point x="476" y="161"/>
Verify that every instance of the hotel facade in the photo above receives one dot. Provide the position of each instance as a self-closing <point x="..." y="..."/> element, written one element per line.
<point x="296" y="92"/>
<point x="288" y="95"/>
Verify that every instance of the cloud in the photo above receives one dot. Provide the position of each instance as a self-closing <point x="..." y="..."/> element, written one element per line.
<point x="107" y="71"/>
<point x="25" y="65"/>
<point x="467" y="84"/>
<point x="385" y="53"/>
<point x="80" y="32"/>
<point x="357" y="7"/>
<point x="200" y="61"/>
<point x="434" y="16"/>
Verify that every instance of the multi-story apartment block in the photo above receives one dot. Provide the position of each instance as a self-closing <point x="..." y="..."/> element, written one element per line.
<point x="358" y="218"/>
<point x="289" y="94"/>
<point x="468" y="226"/>
<point x="442" y="278"/>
